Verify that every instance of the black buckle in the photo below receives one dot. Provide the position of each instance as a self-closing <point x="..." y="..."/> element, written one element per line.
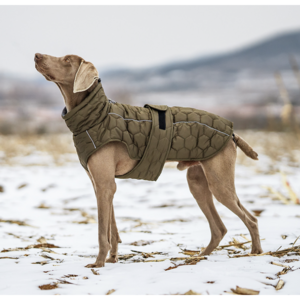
<point x="64" y="112"/>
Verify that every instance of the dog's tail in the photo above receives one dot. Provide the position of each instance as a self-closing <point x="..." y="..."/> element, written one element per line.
<point x="245" y="147"/>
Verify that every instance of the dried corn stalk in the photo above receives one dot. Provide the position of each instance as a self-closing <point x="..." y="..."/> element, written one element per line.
<point x="279" y="285"/>
<point x="110" y="292"/>
<point x="277" y="194"/>
<point x="95" y="272"/>
<point x="277" y="264"/>
<point x="295" y="67"/>
<point x="146" y="255"/>
<point x="235" y="243"/>
<point x="243" y="291"/>
<point x="243" y="236"/>
<point x="49" y="286"/>
<point x="190" y="252"/>
<point x="155" y="260"/>
<point x="191" y="292"/>
<point x="42" y="240"/>
<point x="286" y="113"/>
<point x="292" y="194"/>
<point x="44" y="262"/>
<point x="20" y="223"/>
<point x="277" y="253"/>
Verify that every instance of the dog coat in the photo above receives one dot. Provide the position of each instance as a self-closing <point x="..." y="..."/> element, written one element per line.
<point x="152" y="134"/>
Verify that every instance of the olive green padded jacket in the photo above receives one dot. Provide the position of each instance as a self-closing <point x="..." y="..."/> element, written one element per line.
<point x="152" y="134"/>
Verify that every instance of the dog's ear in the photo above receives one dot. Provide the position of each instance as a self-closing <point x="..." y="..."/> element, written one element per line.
<point x="85" y="77"/>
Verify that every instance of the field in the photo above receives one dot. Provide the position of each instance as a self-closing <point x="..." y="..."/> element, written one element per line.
<point x="48" y="225"/>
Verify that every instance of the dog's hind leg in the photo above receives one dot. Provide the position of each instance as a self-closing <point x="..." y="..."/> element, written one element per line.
<point x="115" y="239"/>
<point x="219" y="172"/>
<point x="199" y="188"/>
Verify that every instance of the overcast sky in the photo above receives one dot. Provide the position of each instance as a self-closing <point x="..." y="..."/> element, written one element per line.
<point x="133" y="36"/>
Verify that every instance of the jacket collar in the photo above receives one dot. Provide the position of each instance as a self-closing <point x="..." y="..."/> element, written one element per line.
<point x="66" y="115"/>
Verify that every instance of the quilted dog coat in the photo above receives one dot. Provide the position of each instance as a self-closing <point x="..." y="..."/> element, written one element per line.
<point x="152" y="134"/>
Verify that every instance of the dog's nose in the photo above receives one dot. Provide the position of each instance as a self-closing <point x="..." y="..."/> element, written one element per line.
<point x="37" y="57"/>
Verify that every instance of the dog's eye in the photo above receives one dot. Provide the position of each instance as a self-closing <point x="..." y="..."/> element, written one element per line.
<point x="67" y="60"/>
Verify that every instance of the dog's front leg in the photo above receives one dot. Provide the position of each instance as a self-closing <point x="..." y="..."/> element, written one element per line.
<point x="104" y="194"/>
<point x="115" y="239"/>
<point x="102" y="175"/>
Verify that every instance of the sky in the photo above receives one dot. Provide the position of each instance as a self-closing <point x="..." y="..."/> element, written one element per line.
<point x="133" y="36"/>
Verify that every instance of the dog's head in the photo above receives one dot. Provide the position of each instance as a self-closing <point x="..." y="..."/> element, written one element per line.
<point x="69" y="70"/>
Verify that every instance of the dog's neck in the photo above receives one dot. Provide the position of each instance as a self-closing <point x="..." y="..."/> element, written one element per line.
<point x="71" y="99"/>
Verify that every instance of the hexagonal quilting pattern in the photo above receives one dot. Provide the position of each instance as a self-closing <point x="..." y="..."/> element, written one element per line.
<point x="196" y="134"/>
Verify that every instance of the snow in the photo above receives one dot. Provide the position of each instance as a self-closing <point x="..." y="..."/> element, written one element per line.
<point x="163" y="213"/>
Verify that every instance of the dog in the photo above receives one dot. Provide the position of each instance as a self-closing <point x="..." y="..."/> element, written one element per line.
<point x="77" y="79"/>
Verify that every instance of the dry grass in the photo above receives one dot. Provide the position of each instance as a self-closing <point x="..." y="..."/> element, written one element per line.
<point x="57" y="146"/>
<point x="276" y="150"/>
<point x="278" y="146"/>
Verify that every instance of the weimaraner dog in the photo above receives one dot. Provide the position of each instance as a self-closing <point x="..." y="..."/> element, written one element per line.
<point x="214" y="176"/>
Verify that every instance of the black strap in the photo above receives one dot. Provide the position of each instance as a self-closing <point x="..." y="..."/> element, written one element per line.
<point x="234" y="139"/>
<point x="162" y="119"/>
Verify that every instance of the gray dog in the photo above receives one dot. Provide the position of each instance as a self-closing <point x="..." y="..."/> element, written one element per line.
<point x="76" y="79"/>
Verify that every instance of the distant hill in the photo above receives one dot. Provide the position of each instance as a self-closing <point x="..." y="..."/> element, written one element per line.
<point x="238" y="85"/>
<point x="264" y="57"/>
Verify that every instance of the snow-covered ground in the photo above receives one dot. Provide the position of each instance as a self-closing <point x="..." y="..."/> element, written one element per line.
<point x="58" y="205"/>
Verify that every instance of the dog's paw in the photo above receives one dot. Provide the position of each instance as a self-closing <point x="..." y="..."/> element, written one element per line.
<point x="257" y="251"/>
<point x="112" y="259"/>
<point x="95" y="265"/>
